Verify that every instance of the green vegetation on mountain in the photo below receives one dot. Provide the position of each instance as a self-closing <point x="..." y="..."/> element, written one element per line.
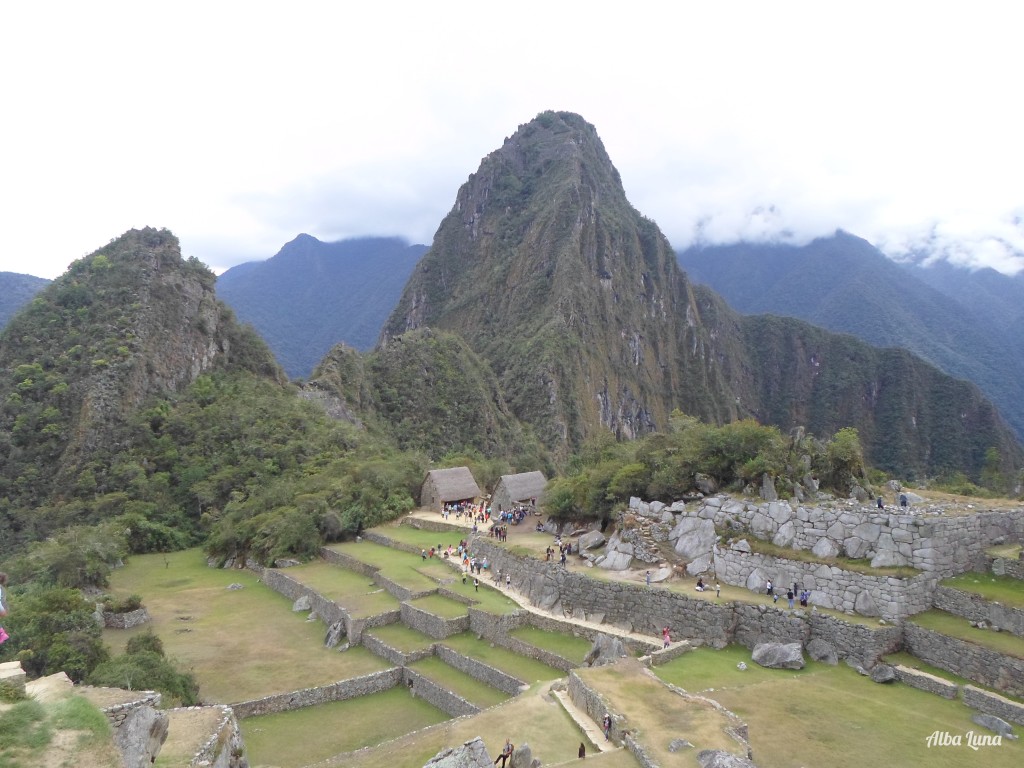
<point x="313" y="295"/>
<point x="844" y="284"/>
<point x="577" y="304"/>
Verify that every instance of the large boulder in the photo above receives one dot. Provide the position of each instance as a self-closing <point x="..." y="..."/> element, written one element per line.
<point x="696" y="537"/>
<point x="471" y="754"/>
<point x="615" y="561"/>
<point x="823" y="651"/>
<point x="994" y="723"/>
<point x="141" y="736"/>
<point x="605" y="650"/>
<point x="865" y="604"/>
<point x="592" y="540"/>
<point x="716" y="758"/>
<point x="522" y="757"/>
<point x="779" y="655"/>
<point x="883" y="673"/>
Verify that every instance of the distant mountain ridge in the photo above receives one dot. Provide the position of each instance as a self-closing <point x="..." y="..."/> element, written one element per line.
<point x="16" y="291"/>
<point x="312" y="295"/>
<point x="844" y="284"/>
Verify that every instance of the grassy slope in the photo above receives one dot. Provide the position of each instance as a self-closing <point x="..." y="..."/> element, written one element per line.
<point x="832" y="716"/>
<point x="208" y="628"/>
<point x="1002" y="589"/>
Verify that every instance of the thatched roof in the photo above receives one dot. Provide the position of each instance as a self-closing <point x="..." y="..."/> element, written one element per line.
<point x="525" y="485"/>
<point x="453" y="484"/>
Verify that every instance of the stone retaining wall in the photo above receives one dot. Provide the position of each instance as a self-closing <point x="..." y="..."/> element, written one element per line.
<point x="118" y="713"/>
<point x="225" y="747"/>
<point x="435" y="525"/>
<point x="479" y="671"/>
<point x="398" y="591"/>
<point x="639" y="608"/>
<point x="448" y="702"/>
<point x="496" y="629"/>
<point x="976" y="608"/>
<point x="926" y="682"/>
<point x="982" y="665"/>
<point x="1004" y="566"/>
<point x="432" y="625"/>
<point x="340" y="558"/>
<point x="831" y="587"/>
<point x="945" y="545"/>
<point x="378" y="647"/>
<point x="993" y="704"/>
<point x="593" y="703"/>
<point x="307" y="697"/>
<point x="126" y="620"/>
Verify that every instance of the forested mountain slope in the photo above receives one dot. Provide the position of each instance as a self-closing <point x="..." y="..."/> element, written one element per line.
<point x="313" y="295"/>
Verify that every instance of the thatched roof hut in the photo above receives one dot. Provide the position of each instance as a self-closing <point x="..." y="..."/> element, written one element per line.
<point x="523" y="488"/>
<point x="442" y="486"/>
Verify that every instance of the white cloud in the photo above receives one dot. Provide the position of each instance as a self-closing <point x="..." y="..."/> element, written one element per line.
<point x="239" y="125"/>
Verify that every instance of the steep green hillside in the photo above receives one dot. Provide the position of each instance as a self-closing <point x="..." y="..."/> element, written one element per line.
<point x="844" y="284"/>
<point x="122" y="325"/>
<point x="313" y="295"/>
<point x="578" y="305"/>
<point x="570" y="295"/>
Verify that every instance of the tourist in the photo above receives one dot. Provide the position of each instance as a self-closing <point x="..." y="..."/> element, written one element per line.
<point x="606" y="725"/>
<point x="700" y="583"/>
<point x="718" y="589"/>
<point x="647" y="576"/>
<point x="583" y="751"/>
<point x="769" y="590"/>
<point x="508" y="580"/>
<point x="881" y="504"/>
<point x="476" y="584"/>
<point x="463" y="577"/>
<point x="666" y="638"/>
<point x="789" y="597"/>
<point x="506" y="753"/>
<point x="423" y="554"/>
<point x="804" y="597"/>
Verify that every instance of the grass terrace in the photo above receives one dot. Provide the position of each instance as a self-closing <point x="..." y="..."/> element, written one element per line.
<point x="305" y="736"/>
<point x="240" y="643"/>
<point x="486" y="598"/>
<point x="444" y="607"/>
<point x="832" y="716"/>
<point x="401" y="567"/>
<point x="358" y="594"/>
<point x="401" y="637"/>
<point x="520" y="667"/>
<point x="998" y="589"/>
<point x="567" y="646"/>
<point x="451" y="679"/>
<point x="955" y="626"/>
<point x="1007" y="551"/>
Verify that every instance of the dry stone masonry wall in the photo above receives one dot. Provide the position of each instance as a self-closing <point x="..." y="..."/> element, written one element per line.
<point x="975" y="608"/>
<point x="307" y="697"/>
<point x="982" y="665"/>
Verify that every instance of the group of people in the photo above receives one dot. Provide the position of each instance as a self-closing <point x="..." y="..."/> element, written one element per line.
<point x="792" y="594"/>
<point x="702" y="587"/>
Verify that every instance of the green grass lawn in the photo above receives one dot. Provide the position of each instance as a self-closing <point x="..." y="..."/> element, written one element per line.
<point x="954" y="626"/>
<point x="240" y="644"/>
<point x="833" y="716"/>
<point x="444" y="607"/>
<point x="449" y="678"/>
<point x="523" y="668"/>
<point x="401" y="637"/>
<point x="1008" y="551"/>
<point x="1000" y="589"/>
<point x="406" y="534"/>
<point x="305" y="736"/>
<point x="401" y="567"/>
<point x="358" y="594"/>
<point x="567" y="646"/>
<point x="486" y="598"/>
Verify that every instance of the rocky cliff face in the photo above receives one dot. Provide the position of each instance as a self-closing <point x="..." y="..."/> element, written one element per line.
<point x="572" y="297"/>
<point x="130" y="321"/>
<point x="576" y="302"/>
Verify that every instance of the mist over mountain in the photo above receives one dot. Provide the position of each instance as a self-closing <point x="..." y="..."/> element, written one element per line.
<point x="312" y="295"/>
<point x="844" y="284"/>
<point x="578" y="304"/>
<point x="16" y="291"/>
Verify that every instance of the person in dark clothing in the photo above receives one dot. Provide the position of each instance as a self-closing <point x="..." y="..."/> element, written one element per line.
<point x="506" y="753"/>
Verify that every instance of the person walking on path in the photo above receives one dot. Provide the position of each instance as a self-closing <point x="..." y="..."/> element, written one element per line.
<point x="647" y="575"/>
<point x="606" y="725"/>
<point x="666" y="637"/>
<point x="508" y="581"/>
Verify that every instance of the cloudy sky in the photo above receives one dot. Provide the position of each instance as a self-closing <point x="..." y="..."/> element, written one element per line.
<point x="238" y="125"/>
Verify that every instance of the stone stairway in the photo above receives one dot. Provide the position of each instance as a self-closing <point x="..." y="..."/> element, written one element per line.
<point x="586" y="724"/>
